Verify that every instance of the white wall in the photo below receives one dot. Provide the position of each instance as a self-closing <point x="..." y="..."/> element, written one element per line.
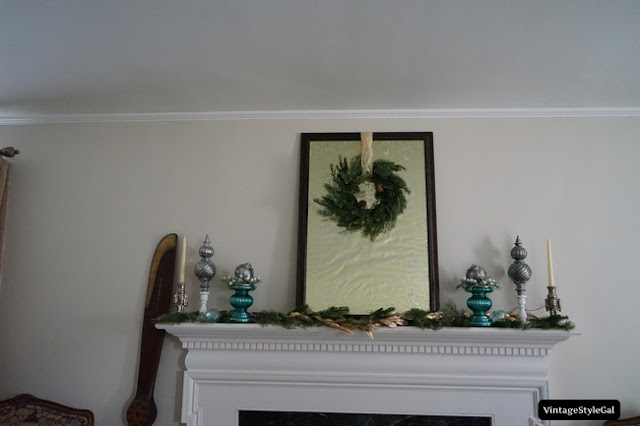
<point x="89" y="202"/>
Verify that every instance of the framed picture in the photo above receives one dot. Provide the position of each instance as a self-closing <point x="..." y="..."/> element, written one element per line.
<point x="367" y="228"/>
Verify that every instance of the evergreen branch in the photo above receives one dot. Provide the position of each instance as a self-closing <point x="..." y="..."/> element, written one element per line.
<point x="340" y="319"/>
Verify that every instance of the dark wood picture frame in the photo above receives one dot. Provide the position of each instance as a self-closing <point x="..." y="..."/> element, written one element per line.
<point x="306" y="203"/>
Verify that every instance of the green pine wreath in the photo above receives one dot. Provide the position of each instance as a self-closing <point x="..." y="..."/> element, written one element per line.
<point x="341" y="205"/>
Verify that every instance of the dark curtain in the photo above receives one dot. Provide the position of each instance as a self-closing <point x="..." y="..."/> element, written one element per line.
<point x="4" y="183"/>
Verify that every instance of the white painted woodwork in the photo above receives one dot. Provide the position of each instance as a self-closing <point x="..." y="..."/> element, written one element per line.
<point x="500" y="373"/>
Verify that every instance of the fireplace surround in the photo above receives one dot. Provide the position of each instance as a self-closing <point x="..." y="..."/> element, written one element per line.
<point x="483" y="372"/>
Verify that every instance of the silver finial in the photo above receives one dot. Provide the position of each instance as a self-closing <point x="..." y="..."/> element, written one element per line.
<point x="205" y="269"/>
<point x="520" y="273"/>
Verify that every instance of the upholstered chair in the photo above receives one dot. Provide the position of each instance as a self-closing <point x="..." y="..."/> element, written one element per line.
<point x="27" y="410"/>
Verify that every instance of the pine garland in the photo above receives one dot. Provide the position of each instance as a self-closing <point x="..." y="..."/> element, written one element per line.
<point x="341" y="205"/>
<point x="339" y="318"/>
<point x="449" y="316"/>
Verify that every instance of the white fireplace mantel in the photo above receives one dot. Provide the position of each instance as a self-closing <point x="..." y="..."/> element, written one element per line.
<point x="500" y="373"/>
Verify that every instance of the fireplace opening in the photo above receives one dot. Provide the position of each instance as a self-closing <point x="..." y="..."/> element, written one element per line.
<point x="293" y="418"/>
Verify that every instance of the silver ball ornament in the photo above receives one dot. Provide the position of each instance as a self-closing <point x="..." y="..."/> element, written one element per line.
<point x="244" y="272"/>
<point x="205" y="270"/>
<point x="519" y="272"/>
<point x="476" y="273"/>
<point x="206" y="250"/>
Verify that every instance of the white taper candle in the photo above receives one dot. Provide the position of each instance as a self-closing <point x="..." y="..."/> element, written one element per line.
<point x="183" y="255"/>
<point x="550" y="263"/>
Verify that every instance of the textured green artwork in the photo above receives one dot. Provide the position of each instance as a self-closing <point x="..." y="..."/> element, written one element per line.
<point x="346" y="269"/>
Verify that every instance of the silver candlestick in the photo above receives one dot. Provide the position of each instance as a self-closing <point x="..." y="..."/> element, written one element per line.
<point x="205" y="270"/>
<point x="181" y="298"/>
<point x="520" y="273"/>
<point x="552" y="302"/>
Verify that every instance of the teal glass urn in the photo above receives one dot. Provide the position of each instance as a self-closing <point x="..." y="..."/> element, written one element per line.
<point x="479" y="304"/>
<point x="241" y="300"/>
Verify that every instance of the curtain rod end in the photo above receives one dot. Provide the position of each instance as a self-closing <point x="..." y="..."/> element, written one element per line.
<point x="9" y="152"/>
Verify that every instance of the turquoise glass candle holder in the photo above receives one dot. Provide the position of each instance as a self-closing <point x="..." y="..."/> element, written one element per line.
<point x="479" y="304"/>
<point x="241" y="300"/>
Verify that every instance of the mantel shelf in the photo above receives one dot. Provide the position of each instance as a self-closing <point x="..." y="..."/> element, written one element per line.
<point x="450" y="340"/>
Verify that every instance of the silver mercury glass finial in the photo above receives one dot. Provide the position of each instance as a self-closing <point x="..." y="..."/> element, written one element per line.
<point x="520" y="273"/>
<point x="205" y="270"/>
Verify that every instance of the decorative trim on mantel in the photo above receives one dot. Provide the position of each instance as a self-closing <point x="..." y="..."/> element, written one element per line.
<point x="403" y="340"/>
<point x="26" y="118"/>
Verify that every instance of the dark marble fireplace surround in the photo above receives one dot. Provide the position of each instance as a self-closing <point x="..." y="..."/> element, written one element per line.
<point x="402" y="377"/>
<point x="279" y="418"/>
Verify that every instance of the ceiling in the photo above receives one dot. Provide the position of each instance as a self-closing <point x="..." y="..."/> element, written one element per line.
<point x="123" y="56"/>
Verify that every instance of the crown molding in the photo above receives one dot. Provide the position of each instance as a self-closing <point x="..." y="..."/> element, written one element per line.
<point x="16" y="119"/>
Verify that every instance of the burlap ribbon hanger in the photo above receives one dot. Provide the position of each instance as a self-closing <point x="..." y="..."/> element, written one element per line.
<point x="366" y="153"/>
